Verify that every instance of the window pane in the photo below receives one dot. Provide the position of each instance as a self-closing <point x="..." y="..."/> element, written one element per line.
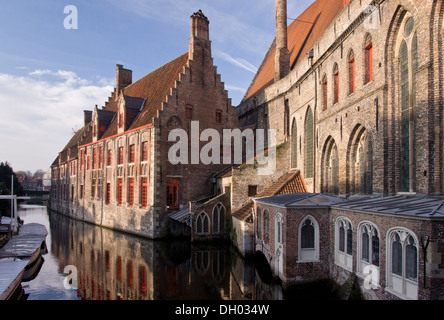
<point x="309" y="144"/>
<point x="307" y="235"/>
<point x="397" y="256"/>
<point x="349" y="241"/>
<point x="342" y="238"/>
<point x="411" y="261"/>
<point x="365" y="246"/>
<point x="375" y="249"/>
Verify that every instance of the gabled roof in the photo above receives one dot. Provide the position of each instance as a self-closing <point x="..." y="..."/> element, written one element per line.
<point x="302" y="34"/>
<point x="291" y="182"/>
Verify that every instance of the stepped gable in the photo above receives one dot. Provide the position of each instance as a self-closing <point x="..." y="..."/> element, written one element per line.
<point x="290" y="182"/>
<point x="302" y="34"/>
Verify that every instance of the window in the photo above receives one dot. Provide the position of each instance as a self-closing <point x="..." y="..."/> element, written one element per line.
<point x="202" y="223"/>
<point x="120" y="156"/>
<point x="100" y="157"/>
<point x="189" y="112"/>
<point x="109" y="158"/>
<point x="308" y="240"/>
<point x="294" y="145"/>
<point x="144" y="192"/>
<point x="279" y="229"/>
<point x="132" y="153"/>
<point x="402" y="262"/>
<point x="121" y="120"/>
<point x="266" y="226"/>
<point x="309" y="144"/>
<point x="408" y="62"/>
<point x="94" y="164"/>
<point x="82" y="160"/>
<point x="218" y="116"/>
<point x="324" y="93"/>
<point x="173" y="187"/>
<point x="368" y="250"/>
<point x="252" y="191"/>
<point x="218" y="219"/>
<point x="344" y="243"/>
<point x="131" y="192"/>
<point x="145" y="151"/>
<point x="119" y="191"/>
<point x="336" y="83"/>
<point x="368" y="53"/>
<point x="258" y="224"/>
<point x="108" y="193"/>
<point x="351" y="72"/>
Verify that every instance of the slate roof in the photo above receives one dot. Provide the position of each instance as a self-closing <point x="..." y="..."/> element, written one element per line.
<point x="290" y="182"/>
<point x="302" y="34"/>
<point x="302" y="199"/>
<point x="402" y="205"/>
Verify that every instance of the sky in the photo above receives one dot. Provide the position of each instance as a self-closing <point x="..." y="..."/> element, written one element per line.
<point x="51" y="72"/>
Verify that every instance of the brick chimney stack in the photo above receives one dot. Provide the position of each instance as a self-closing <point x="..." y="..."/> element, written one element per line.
<point x="124" y="78"/>
<point x="200" y="34"/>
<point x="282" y="57"/>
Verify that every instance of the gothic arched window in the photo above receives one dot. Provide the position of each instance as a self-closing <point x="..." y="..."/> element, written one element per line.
<point x="308" y="131"/>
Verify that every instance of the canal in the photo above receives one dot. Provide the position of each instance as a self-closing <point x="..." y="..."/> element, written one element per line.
<point x="84" y="261"/>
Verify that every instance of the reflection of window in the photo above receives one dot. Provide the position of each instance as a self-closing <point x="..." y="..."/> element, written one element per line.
<point x="202" y="261"/>
<point x="218" y="265"/>
<point x="173" y="187"/>
<point x="202" y="223"/>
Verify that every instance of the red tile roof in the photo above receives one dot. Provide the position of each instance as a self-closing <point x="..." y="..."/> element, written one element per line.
<point x="291" y="182"/>
<point x="302" y="34"/>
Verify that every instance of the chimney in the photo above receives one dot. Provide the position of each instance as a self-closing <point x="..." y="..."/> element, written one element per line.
<point x="200" y="34"/>
<point x="124" y="78"/>
<point x="87" y="116"/>
<point x="282" y="57"/>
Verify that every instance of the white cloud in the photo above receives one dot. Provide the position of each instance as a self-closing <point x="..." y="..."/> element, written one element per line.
<point x="39" y="111"/>
<point x="244" y="64"/>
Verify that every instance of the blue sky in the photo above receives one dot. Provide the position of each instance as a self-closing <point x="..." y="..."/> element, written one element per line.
<point x="49" y="75"/>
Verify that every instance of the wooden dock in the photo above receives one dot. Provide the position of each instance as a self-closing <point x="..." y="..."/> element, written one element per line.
<point x="19" y="254"/>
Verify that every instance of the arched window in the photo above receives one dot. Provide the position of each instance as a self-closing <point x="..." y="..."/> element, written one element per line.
<point x="258" y="224"/>
<point x="202" y="223"/>
<point x="402" y="262"/>
<point x="308" y="240"/>
<point x="335" y="83"/>
<point x="308" y="131"/>
<point x="330" y="168"/>
<point x="324" y="92"/>
<point x="360" y="166"/>
<point x="351" y="72"/>
<point x="368" y="250"/>
<point x="294" y="145"/>
<point x="266" y="226"/>
<point x="408" y="62"/>
<point x="368" y="59"/>
<point x="219" y="219"/>
<point x="344" y="243"/>
<point x="279" y="230"/>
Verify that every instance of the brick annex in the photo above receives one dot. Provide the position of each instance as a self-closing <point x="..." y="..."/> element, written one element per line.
<point x="354" y="90"/>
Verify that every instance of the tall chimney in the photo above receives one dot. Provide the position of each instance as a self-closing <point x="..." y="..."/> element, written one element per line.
<point x="282" y="57"/>
<point x="200" y="34"/>
<point x="124" y="78"/>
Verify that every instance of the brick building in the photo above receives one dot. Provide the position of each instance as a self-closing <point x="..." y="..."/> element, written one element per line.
<point x="115" y="170"/>
<point x="354" y="90"/>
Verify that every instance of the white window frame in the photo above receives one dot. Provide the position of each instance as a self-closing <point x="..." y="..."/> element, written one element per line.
<point x="343" y="259"/>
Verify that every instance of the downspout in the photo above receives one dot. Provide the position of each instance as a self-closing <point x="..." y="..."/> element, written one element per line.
<point x="424" y="250"/>
<point x="254" y="230"/>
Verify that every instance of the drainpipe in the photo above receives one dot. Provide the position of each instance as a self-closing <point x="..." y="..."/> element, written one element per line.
<point x="254" y="230"/>
<point x="424" y="250"/>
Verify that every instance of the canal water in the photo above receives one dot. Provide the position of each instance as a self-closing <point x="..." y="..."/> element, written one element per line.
<point x="84" y="261"/>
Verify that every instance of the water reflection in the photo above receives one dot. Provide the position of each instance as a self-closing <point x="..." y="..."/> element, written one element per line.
<point x="112" y="265"/>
